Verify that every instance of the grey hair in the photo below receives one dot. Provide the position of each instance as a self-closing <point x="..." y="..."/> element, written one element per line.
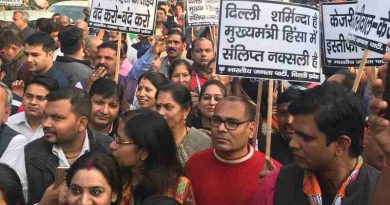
<point x="25" y="15"/>
<point x="9" y="94"/>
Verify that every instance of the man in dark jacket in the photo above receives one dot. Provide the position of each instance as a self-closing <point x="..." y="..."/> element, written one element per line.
<point x="327" y="144"/>
<point x="66" y="138"/>
<point x="72" y="64"/>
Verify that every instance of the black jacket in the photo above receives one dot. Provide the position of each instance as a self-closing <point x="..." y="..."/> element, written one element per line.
<point x="41" y="163"/>
<point x="289" y="186"/>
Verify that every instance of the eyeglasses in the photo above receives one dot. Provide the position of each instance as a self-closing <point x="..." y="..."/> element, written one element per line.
<point x="116" y="139"/>
<point x="230" y="124"/>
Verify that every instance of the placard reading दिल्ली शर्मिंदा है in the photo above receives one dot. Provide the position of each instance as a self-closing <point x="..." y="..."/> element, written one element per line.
<point x="269" y="40"/>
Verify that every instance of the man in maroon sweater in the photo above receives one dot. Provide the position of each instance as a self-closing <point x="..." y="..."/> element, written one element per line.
<point x="228" y="173"/>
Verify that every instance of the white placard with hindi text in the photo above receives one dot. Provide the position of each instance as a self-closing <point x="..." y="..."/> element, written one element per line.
<point x="15" y="3"/>
<point x="130" y="16"/>
<point x="202" y="12"/>
<point x="370" y="26"/>
<point x="337" y="19"/>
<point x="269" y="40"/>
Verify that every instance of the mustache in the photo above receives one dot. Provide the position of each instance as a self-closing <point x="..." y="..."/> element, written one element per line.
<point x="49" y="130"/>
<point x="171" y="49"/>
<point x="102" y="65"/>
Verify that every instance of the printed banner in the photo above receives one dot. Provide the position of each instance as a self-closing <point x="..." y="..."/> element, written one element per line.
<point x="269" y="40"/>
<point x="16" y="3"/>
<point x="131" y="16"/>
<point x="202" y="12"/>
<point x="336" y="22"/>
<point x="370" y="26"/>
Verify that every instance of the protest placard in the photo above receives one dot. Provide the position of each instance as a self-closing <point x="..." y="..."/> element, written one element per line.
<point x="135" y="16"/>
<point x="337" y="19"/>
<point x="16" y="3"/>
<point x="202" y="12"/>
<point x="370" y="26"/>
<point x="269" y="40"/>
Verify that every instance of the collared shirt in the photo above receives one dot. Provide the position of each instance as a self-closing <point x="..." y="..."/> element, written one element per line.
<point x="19" y="123"/>
<point x="20" y="166"/>
<point x="63" y="161"/>
<point x="14" y="149"/>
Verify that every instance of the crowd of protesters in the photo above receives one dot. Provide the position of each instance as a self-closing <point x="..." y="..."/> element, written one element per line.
<point x="167" y="129"/>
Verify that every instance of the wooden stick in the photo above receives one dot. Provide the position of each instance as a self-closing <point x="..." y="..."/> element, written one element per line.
<point x="360" y="71"/>
<point x="118" y="57"/>
<point x="212" y="34"/>
<point x="373" y="74"/>
<point x="269" y="119"/>
<point x="258" y="107"/>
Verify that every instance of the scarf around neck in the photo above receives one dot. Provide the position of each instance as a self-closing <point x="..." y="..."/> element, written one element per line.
<point x="312" y="189"/>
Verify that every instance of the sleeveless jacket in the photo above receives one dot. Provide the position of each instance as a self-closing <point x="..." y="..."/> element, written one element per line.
<point x="289" y="187"/>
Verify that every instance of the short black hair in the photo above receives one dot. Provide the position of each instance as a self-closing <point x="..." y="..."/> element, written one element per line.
<point x="71" y="39"/>
<point x="48" y="82"/>
<point x="106" y="88"/>
<point x="289" y="95"/>
<point x="250" y="109"/>
<point x="51" y="27"/>
<point x="10" y="186"/>
<point x="42" y="23"/>
<point x="176" y="32"/>
<point x="10" y="37"/>
<point x="105" y="163"/>
<point x="180" y="94"/>
<point x="157" y="79"/>
<point x="176" y="63"/>
<point x="41" y="39"/>
<point x="112" y="45"/>
<point x="349" y="78"/>
<point x="337" y="111"/>
<point x="80" y="100"/>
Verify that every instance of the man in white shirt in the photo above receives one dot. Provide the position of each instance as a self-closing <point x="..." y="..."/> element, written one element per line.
<point x="11" y="142"/>
<point x="66" y="138"/>
<point x="29" y="122"/>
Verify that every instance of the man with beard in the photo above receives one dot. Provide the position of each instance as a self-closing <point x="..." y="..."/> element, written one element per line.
<point x="29" y="122"/>
<point x="105" y="98"/>
<point x="202" y="54"/>
<point x="66" y="138"/>
<point x="38" y="51"/>
<point x="175" y="45"/>
<point x="11" y="53"/>
<point x="279" y="146"/>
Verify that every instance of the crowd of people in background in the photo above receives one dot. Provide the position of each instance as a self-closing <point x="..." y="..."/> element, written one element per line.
<point x="167" y="129"/>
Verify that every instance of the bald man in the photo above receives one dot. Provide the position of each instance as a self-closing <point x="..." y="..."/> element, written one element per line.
<point x="83" y="26"/>
<point x="64" y="21"/>
<point x="90" y="50"/>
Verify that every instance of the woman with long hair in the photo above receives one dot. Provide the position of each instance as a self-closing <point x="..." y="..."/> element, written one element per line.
<point x="145" y="149"/>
